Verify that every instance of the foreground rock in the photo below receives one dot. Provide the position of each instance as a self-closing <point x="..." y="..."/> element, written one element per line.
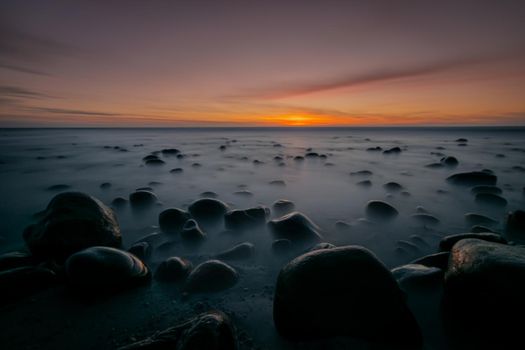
<point x="211" y="276"/>
<point x="242" y="251"/>
<point x="173" y="269"/>
<point x="172" y="220"/>
<point x="104" y="269"/>
<point x="473" y="178"/>
<point x="296" y="227"/>
<point x="381" y="211"/>
<point x="448" y="242"/>
<point x="245" y="219"/>
<point x="71" y="222"/>
<point x="344" y="291"/>
<point x="418" y="276"/>
<point x="209" y="331"/>
<point x="208" y="209"/>
<point x="20" y="282"/>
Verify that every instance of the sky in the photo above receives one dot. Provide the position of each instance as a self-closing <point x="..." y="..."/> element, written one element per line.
<point x="261" y="63"/>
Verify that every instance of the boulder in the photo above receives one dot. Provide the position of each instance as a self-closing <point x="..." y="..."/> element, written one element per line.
<point x="381" y="211"/>
<point x="211" y="276"/>
<point x="142" y="199"/>
<point x="173" y="269"/>
<point x="486" y="189"/>
<point x="473" y="178"/>
<point x="172" y="220"/>
<point x="296" y="227"/>
<point x="448" y="242"/>
<point x="242" y="251"/>
<point x="245" y="219"/>
<point x="449" y="161"/>
<point x="208" y="209"/>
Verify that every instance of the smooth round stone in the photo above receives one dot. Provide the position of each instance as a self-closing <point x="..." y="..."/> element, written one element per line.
<point x="208" y="209"/>
<point x="170" y="152"/>
<point x="192" y="233"/>
<point x="281" y="246"/>
<point x="104" y="269"/>
<point x="418" y="276"/>
<point x="71" y="222"/>
<point x="491" y="199"/>
<point x="176" y="170"/>
<point x="119" y="202"/>
<point x="448" y="242"/>
<point x="142" y="199"/>
<point x="449" y="161"/>
<point x="245" y="219"/>
<point x="379" y="210"/>
<point x="154" y="162"/>
<point x="242" y="251"/>
<point x="283" y="206"/>
<point x="141" y="250"/>
<point x="211" y="276"/>
<point x="392" y="187"/>
<point x="296" y="227"/>
<point x="172" y="220"/>
<point x="486" y="189"/>
<point x="425" y="219"/>
<point x="343" y="291"/>
<point x="277" y="183"/>
<point x="393" y="150"/>
<point x="173" y="269"/>
<point x="473" y="178"/>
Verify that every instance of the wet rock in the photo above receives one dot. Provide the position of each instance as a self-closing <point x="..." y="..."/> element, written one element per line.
<point x="479" y="219"/>
<point x="450" y="161"/>
<point x="154" y="162"/>
<point x="425" y="219"/>
<point x="103" y="269"/>
<point x="242" y="251"/>
<point x="491" y="199"/>
<point x="172" y="220"/>
<point x="296" y="227"/>
<point x="59" y="187"/>
<point x="170" y="152"/>
<point x="364" y="183"/>
<point x="473" y="178"/>
<point x="244" y="219"/>
<point x="192" y="233"/>
<point x="11" y="260"/>
<point x="344" y="291"/>
<point x="142" y="199"/>
<point x="392" y="187"/>
<point x="281" y="246"/>
<point x="421" y="210"/>
<point x="439" y="260"/>
<point x="176" y="170"/>
<point x="208" y="209"/>
<point x="208" y="194"/>
<point x="515" y="225"/>
<point x="311" y="155"/>
<point x="141" y="250"/>
<point x="448" y="242"/>
<point x="211" y="276"/>
<point x="486" y="189"/>
<point x="173" y="269"/>
<point x="480" y="228"/>
<point x="23" y="281"/>
<point x="298" y="158"/>
<point x="71" y="222"/>
<point x="283" y="206"/>
<point x="393" y="150"/>
<point x="119" y="202"/>
<point x="418" y="276"/>
<point x="379" y="210"/>
<point x="209" y="331"/>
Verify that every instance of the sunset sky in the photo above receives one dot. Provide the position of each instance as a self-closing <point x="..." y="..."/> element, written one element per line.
<point x="261" y="63"/>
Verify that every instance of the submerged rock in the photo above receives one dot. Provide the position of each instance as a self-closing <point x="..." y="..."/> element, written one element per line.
<point x="283" y="206"/>
<point x="208" y="209"/>
<point x="344" y="291"/>
<point x="243" y="219"/>
<point x="491" y="199"/>
<point x="142" y="199"/>
<point x="379" y="210"/>
<point x="473" y="178"/>
<point x="296" y="227"/>
<point x="172" y="220"/>
<point x="192" y="233"/>
<point x="173" y="269"/>
<point x="242" y="251"/>
<point x="479" y="219"/>
<point x="71" y="222"/>
<point x="209" y="331"/>
<point x="211" y="276"/>
<point x="449" y="161"/>
<point x="448" y="242"/>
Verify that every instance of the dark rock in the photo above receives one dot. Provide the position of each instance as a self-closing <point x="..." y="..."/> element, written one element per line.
<point x="208" y="194"/>
<point x="296" y="227"/>
<point x="449" y="161"/>
<point x="393" y="150"/>
<point x="211" y="276"/>
<point x="242" y="251"/>
<point x="23" y="281"/>
<point x="418" y="276"/>
<point x="361" y="173"/>
<point x="448" y="242"/>
<point x="298" y="158"/>
<point x="141" y="250"/>
<point x="277" y="183"/>
<point x="486" y="189"/>
<point x="192" y="233"/>
<point x="208" y="209"/>
<point x="479" y="229"/>
<point x="155" y="162"/>
<point x="491" y="199"/>
<point x="364" y="183"/>
<point x="150" y="157"/>
<point x="119" y="202"/>
<point x="439" y="260"/>
<point x="59" y="187"/>
<point x="374" y="149"/>
<point x="392" y="186"/>
<point x="281" y="246"/>
<point x="379" y="210"/>
<point x="105" y="185"/>
<point x="172" y="220"/>
<point x="478" y="219"/>
<point x="425" y="219"/>
<point x="243" y="219"/>
<point x="103" y="269"/>
<point x="515" y="225"/>
<point x="142" y="199"/>
<point x="71" y="222"/>
<point x="243" y="193"/>
<point x="173" y="269"/>
<point x="11" y="260"/>
<point x="344" y="291"/>
<point x="170" y="152"/>
<point x="209" y="331"/>
<point x="176" y="170"/>
<point x="283" y="206"/>
<point x="461" y="140"/>
<point x="473" y="178"/>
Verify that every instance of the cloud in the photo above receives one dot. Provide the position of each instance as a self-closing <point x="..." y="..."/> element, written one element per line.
<point x="18" y="92"/>
<point x="72" y="111"/>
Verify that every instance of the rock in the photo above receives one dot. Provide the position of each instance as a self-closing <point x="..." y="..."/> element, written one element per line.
<point x="392" y="187"/>
<point x="11" y="260"/>
<point x="281" y="246"/>
<point x="475" y="219"/>
<point x="450" y="162"/>
<point x="141" y="250"/>
<point x="393" y="150"/>
<point x="311" y="155"/>
<point x="211" y="276"/>
<point x="71" y="222"/>
<point x="491" y="199"/>
<point x="244" y="219"/>
<point x="119" y="202"/>
<point x="480" y="228"/>
<point x="364" y="183"/>
<point x="209" y="331"/>
<point x="277" y="183"/>
<point x="342" y="225"/>
<point x="322" y="245"/>
<point x="486" y="189"/>
<point x="283" y="206"/>
<point x="104" y="269"/>
<point x="439" y="260"/>
<point x="379" y="210"/>
<point x="142" y="199"/>
<point x="155" y="162"/>
<point x="448" y="242"/>
<point x="361" y="173"/>
<point x="515" y="225"/>
<point x="242" y="251"/>
<point x="418" y="276"/>
<point x="421" y="210"/>
<point x="208" y="209"/>
<point x="296" y="227"/>
<point x="425" y="219"/>
<point x="473" y="178"/>
<point x="434" y="166"/>
<point x="173" y="269"/>
<point x="192" y="233"/>
<point x="105" y="185"/>
<point x="208" y="194"/>
<point x="23" y="281"/>
<point x="172" y="220"/>
<point x="59" y="187"/>
<point x="170" y="152"/>
<point x="176" y="170"/>
<point x="150" y="157"/>
<point x="374" y="149"/>
<point x="462" y="140"/>
<point x="408" y="246"/>
<point x="344" y="291"/>
<point x="243" y="193"/>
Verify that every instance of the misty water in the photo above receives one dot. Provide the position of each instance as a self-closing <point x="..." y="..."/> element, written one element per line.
<point x="323" y="188"/>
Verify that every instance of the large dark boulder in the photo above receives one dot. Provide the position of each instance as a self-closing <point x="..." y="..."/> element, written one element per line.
<point x="245" y="219"/>
<point x="380" y="211"/>
<point x="173" y="269"/>
<point x="172" y="220"/>
<point x="344" y="291"/>
<point x="296" y="227"/>
<point x="448" y="242"/>
<point x="209" y="331"/>
<point x="11" y="260"/>
<point x="211" y="276"/>
<point x="473" y="178"/>
<point x="71" y="222"/>
<point x="208" y="209"/>
<point x="142" y="199"/>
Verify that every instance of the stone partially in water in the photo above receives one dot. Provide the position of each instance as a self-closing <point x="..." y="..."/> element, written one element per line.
<point x="479" y="219"/>
<point x="344" y="291"/>
<point x="449" y="161"/>
<point x="283" y="206"/>
<point x="392" y="187"/>
<point x="172" y="220"/>
<point x="448" y="242"/>
<point x="142" y="199"/>
<point x="211" y="276"/>
<point x="439" y="260"/>
<point x="242" y="251"/>
<point x="192" y="233"/>
<point x="418" y="276"/>
<point x="173" y="269"/>
<point x="491" y="199"/>
<point x="425" y="219"/>
<point x="379" y="210"/>
<point x="141" y="250"/>
<point x="486" y="189"/>
<point x="473" y="178"/>
<point x="245" y="219"/>
<point x="296" y="227"/>
<point x="71" y="222"/>
<point x="208" y="209"/>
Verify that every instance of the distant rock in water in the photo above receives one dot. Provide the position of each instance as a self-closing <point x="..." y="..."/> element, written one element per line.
<point x="281" y="246"/>
<point x="119" y="202"/>
<point x="515" y="225"/>
<point x="209" y="331"/>
<point x="59" y="187"/>
<point x="105" y="185"/>
<point x="461" y="140"/>
<point x="449" y="161"/>
<point x="364" y="183"/>
<point x="374" y="149"/>
<point x="242" y="251"/>
<point x="343" y="291"/>
<point x="393" y="150"/>
<point x="103" y="269"/>
<point x="71" y="222"/>
<point x="176" y="170"/>
<point x="208" y="194"/>
<point x="141" y="250"/>
<point x="277" y="183"/>
<point x="208" y="209"/>
<point x="296" y="227"/>
<point x="361" y="173"/>
<point x="448" y="242"/>
<point x="480" y="228"/>
<point x="243" y="193"/>
<point x="155" y="162"/>
<point x="192" y="233"/>
<point x="172" y="220"/>
<point x="170" y="152"/>
<point x="211" y="276"/>
<point x="473" y="178"/>
<point x="173" y="269"/>
<point x="491" y="199"/>
<point x="245" y="219"/>
<point x="282" y="207"/>
<point x="486" y="189"/>
<point x="379" y="210"/>
<point x="142" y="199"/>
<point x="392" y="187"/>
<point x="479" y="219"/>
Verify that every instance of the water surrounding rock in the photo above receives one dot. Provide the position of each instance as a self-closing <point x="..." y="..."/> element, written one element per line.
<point x="281" y="246"/>
<point x="486" y="189"/>
<point x="141" y="250"/>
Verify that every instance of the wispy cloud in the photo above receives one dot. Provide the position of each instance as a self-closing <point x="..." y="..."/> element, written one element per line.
<point x="18" y="92"/>
<point x="72" y="111"/>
